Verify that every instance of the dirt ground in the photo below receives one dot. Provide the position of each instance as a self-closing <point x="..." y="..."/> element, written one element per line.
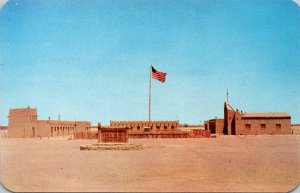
<point x="228" y="163"/>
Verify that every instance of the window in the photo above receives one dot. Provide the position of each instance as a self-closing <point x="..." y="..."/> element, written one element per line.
<point x="248" y="126"/>
<point x="158" y="127"/>
<point x="172" y="127"/>
<point x="165" y="127"/>
<point x="138" y="128"/>
<point x="263" y="126"/>
<point x="278" y="126"/>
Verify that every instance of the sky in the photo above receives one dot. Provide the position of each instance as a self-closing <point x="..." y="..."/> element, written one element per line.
<point x="90" y="60"/>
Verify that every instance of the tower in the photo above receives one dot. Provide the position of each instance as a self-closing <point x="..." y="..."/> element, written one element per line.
<point x="22" y="123"/>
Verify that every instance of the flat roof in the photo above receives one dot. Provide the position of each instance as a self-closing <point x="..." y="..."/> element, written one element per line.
<point x="266" y="115"/>
<point x="112" y="128"/>
<point x="62" y="121"/>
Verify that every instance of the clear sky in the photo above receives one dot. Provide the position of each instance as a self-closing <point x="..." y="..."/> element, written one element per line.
<point x="89" y="60"/>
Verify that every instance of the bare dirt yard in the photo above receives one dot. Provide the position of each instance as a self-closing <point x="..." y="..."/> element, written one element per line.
<point x="228" y="163"/>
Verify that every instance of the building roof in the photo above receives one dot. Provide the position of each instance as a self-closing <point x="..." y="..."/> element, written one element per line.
<point x="113" y="128"/>
<point x="62" y="121"/>
<point x="266" y="115"/>
<point x="23" y="108"/>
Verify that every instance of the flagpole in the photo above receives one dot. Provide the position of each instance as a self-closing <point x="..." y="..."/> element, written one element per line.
<point x="150" y="96"/>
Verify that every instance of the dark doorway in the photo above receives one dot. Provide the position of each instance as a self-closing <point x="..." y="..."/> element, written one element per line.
<point x="33" y="131"/>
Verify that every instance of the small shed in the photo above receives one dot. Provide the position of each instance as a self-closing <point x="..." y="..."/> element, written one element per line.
<point x="112" y="134"/>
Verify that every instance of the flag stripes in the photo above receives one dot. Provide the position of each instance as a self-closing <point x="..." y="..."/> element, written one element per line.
<point x="161" y="76"/>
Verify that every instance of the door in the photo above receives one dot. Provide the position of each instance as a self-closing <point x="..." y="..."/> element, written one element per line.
<point x="33" y="131"/>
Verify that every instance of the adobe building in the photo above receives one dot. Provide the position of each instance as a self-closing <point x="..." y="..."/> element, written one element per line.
<point x="144" y="129"/>
<point x="159" y="129"/>
<point x="215" y="126"/>
<point x="296" y="129"/>
<point x="23" y="123"/>
<point x="141" y="126"/>
<point x="239" y="123"/>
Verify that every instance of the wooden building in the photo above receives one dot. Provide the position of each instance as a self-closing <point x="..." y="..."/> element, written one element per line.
<point x="112" y="135"/>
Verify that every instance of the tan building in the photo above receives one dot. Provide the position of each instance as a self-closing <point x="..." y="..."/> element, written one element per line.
<point x="215" y="126"/>
<point x="23" y="123"/>
<point x="236" y="122"/>
<point x="141" y="126"/>
<point x="296" y="129"/>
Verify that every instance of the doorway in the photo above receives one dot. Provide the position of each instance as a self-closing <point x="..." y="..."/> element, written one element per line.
<point x="33" y="131"/>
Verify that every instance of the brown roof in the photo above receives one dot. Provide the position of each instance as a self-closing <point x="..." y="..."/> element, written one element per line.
<point x="253" y="115"/>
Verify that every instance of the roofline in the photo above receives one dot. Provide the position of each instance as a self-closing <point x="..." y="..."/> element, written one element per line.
<point x="51" y="120"/>
<point x="26" y="108"/>
<point x="146" y="121"/>
<point x="267" y="117"/>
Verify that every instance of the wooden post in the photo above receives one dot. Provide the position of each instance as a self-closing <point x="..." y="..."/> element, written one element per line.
<point x="99" y="132"/>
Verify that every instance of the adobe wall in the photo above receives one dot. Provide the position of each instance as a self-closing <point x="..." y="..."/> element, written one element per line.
<point x="140" y="125"/>
<point x="220" y="126"/>
<point x="270" y="129"/>
<point x="196" y="133"/>
<point x="229" y="121"/>
<point x="295" y="129"/>
<point x="52" y="128"/>
<point x="215" y="126"/>
<point x="82" y="125"/>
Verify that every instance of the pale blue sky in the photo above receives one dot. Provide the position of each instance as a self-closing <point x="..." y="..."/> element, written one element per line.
<point x="89" y="60"/>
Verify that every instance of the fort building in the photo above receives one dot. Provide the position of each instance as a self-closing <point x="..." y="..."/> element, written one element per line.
<point x="141" y="126"/>
<point x="215" y="126"/>
<point x="238" y="123"/>
<point x="143" y="129"/>
<point x="296" y="129"/>
<point x="24" y="123"/>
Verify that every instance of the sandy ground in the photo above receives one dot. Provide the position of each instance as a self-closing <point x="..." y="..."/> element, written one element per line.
<point x="228" y="163"/>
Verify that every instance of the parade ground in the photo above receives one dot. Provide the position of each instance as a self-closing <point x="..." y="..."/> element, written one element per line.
<point x="224" y="163"/>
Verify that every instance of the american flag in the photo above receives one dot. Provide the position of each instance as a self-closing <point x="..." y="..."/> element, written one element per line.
<point x="161" y="76"/>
